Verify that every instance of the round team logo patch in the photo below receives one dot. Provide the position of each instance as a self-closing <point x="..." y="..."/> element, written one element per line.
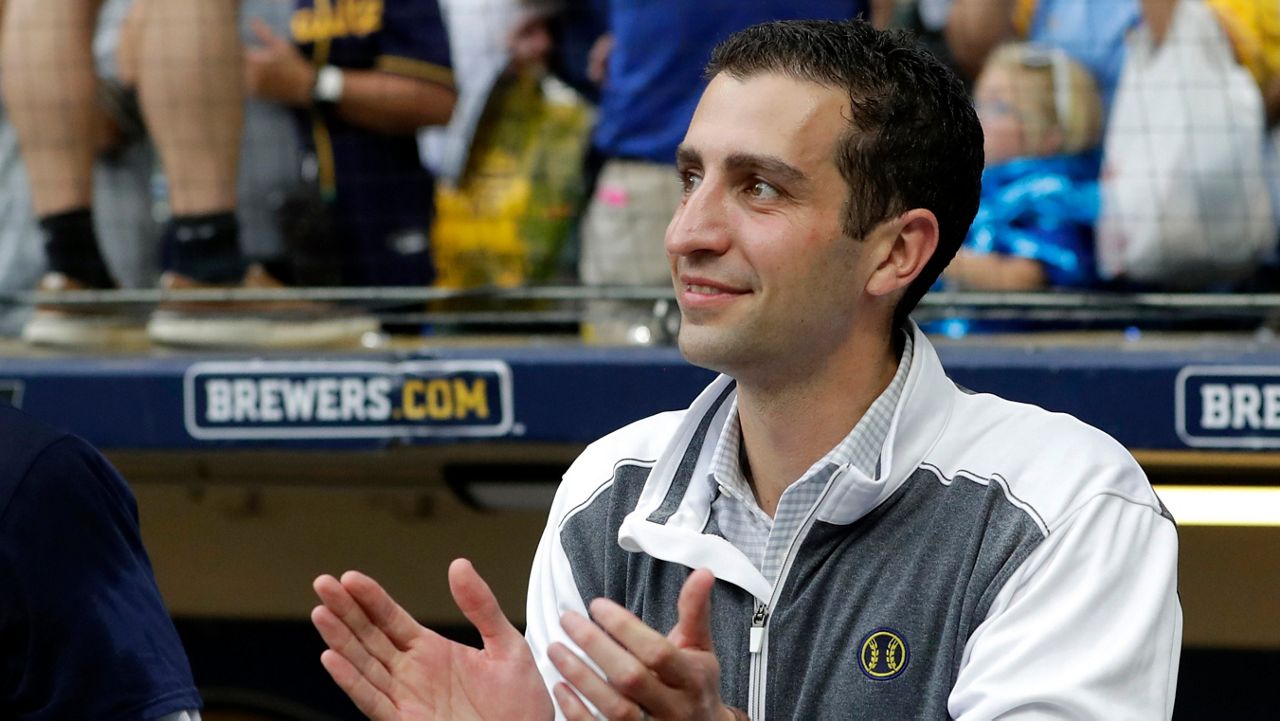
<point x="883" y="654"/>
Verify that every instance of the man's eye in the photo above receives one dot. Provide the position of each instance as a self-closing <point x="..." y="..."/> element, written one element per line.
<point x="762" y="190"/>
<point x="689" y="181"/>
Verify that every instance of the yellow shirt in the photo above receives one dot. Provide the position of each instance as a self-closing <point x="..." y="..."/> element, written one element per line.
<point x="1254" y="28"/>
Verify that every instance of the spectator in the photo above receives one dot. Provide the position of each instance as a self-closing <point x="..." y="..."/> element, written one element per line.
<point x="50" y="89"/>
<point x="363" y="77"/>
<point x="1090" y="31"/>
<point x="122" y="189"/>
<point x="84" y="633"/>
<point x="561" y="34"/>
<point x="1093" y="31"/>
<point x="1042" y="121"/>
<point x="182" y="56"/>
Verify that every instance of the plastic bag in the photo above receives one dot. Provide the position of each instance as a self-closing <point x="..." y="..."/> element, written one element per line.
<point x="507" y="221"/>
<point x="1185" y="202"/>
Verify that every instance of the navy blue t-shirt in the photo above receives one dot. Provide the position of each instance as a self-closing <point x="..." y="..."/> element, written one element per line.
<point x="655" y="69"/>
<point x="382" y="195"/>
<point x="84" y="633"/>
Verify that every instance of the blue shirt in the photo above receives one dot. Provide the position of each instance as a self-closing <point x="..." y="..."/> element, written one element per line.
<point x="1091" y="31"/>
<point x="1043" y="209"/>
<point x="84" y="633"/>
<point x="660" y="49"/>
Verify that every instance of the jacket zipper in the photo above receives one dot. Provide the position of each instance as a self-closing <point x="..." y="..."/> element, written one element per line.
<point x="759" y="657"/>
<point x="758" y="641"/>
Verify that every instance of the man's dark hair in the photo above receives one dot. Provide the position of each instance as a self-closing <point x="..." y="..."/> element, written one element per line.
<point x="913" y="139"/>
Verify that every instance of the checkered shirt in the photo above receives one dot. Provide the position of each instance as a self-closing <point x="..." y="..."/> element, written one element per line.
<point x="739" y="517"/>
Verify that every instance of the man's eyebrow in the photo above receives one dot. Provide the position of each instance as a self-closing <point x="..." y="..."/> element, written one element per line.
<point x="768" y="165"/>
<point x="738" y="162"/>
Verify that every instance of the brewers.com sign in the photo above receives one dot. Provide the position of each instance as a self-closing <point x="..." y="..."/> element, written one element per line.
<point x="260" y="400"/>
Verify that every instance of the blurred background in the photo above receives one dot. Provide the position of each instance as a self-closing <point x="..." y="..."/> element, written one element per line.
<point x="348" y="283"/>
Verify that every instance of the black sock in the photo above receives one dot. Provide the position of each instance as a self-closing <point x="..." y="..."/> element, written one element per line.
<point x="204" y="247"/>
<point x="71" y="246"/>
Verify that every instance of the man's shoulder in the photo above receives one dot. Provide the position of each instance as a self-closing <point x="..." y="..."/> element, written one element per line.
<point x="627" y="453"/>
<point x="1051" y="462"/>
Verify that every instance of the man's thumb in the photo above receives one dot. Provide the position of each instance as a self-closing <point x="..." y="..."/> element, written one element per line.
<point x="693" y="627"/>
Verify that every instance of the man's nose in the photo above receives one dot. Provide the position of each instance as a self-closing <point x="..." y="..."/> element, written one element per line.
<point x="700" y="223"/>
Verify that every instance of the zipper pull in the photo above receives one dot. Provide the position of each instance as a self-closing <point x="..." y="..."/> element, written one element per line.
<point x="757" y="628"/>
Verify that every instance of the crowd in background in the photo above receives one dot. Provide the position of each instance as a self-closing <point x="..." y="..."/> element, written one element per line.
<point x="263" y="144"/>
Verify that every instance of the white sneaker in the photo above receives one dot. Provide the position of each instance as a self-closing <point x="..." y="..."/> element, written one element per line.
<point x="78" y="326"/>
<point x="292" y="324"/>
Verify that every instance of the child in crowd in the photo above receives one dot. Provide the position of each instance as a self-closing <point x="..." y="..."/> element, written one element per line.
<point x="1042" y="117"/>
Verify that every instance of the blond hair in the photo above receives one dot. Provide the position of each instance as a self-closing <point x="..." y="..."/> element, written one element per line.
<point x="1052" y="91"/>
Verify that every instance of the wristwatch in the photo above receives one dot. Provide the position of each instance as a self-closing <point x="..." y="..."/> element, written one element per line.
<point x="327" y="90"/>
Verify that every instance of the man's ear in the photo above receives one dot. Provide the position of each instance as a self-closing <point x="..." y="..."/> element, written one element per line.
<point x="911" y="240"/>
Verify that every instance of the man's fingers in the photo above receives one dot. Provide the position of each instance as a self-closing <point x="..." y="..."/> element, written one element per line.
<point x="583" y="678"/>
<point x="476" y="601"/>
<point x="628" y="673"/>
<point x="382" y="611"/>
<point x="371" y="702"/>
<point x="338" y="598"/>
<point x="610" y="700"/>
<point x="659" y="654"/>
<point x="693" y="627"/>
<point x="345" y="643"/>
<point x="570" y="704"/>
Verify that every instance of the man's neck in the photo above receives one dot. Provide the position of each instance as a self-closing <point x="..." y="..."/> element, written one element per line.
<point x="788" y="426"/>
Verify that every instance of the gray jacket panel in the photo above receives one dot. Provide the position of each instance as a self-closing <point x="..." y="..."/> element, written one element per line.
<point x="925" y="566"/>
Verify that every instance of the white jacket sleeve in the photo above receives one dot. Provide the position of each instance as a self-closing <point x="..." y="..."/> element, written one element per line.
<point x="552" y="593"/>
<point x="1088" y="627"/>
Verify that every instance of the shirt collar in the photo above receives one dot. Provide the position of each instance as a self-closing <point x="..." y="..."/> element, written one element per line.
<point x="860" y="448"/>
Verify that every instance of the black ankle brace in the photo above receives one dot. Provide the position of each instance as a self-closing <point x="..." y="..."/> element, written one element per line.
<point x="71" y="247"/>
<point x="204" y="247"/>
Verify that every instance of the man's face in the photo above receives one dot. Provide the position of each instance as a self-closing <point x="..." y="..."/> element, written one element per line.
<point x="765" y="278"/>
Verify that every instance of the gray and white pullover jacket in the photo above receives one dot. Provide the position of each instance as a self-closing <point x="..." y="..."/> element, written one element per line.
<point x="1006" y="562"/>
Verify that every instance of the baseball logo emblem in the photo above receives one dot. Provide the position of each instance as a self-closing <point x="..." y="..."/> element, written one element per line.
<point x="883" y="654"/>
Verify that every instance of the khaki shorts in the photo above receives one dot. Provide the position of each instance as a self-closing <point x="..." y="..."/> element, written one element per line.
<point x="622" y="244"/>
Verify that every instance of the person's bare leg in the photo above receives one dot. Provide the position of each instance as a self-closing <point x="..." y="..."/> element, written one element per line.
<point x="49" y="93"/>
<point x="191" y="88"/>
<point x="191" y="85"/>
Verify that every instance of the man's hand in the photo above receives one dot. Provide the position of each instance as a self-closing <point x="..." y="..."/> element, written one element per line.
<point x="394" y="669"/>
<point x="647" y="675"/>
<point x="275" y="70"/>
